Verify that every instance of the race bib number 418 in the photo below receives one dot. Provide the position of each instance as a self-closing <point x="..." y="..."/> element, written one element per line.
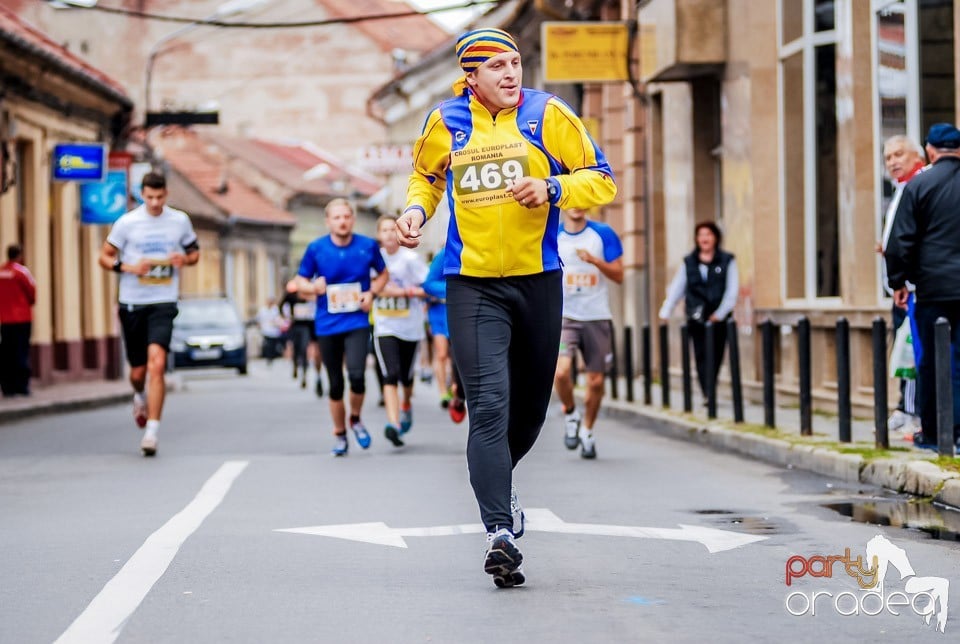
<point x="481" y="174"/>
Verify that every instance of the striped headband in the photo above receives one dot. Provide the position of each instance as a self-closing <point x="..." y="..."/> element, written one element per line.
<point x="478" y="46"/>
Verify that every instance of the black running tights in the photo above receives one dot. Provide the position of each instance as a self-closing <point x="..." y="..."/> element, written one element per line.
<point x="505" y="334"/>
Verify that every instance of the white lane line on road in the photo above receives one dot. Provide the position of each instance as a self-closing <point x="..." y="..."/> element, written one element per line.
<point x="105" y="617"/>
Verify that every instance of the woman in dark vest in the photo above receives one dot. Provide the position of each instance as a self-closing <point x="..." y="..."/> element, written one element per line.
<point x="708" y="283"/>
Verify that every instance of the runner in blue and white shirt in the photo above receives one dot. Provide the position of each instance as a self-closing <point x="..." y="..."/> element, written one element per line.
<point x="398" y="327"/>
<point x="337" y="269"/>
<point x="592" y="254"/>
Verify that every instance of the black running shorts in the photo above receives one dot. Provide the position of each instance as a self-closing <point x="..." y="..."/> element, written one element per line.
<point x="146" y="324"/>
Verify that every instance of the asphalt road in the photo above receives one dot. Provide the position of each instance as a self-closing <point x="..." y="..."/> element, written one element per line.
<point x="98" y="543"/>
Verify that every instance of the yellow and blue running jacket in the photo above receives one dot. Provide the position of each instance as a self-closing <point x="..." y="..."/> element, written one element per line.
<point x="472" y="156"/>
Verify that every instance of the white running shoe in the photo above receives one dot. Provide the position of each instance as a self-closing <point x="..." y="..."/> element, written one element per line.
<point x="571" y="429"/>
<point x="503" y="560"/>
<point x="148" y="444"/>
<point x="588" y="445"/>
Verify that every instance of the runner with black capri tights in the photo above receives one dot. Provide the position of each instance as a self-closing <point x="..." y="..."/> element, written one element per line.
<point x="398" y="327"/>
<point x="336" y="268"/>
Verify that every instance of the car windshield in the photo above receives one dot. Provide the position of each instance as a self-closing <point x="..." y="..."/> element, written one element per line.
<point x="207" y="314"/>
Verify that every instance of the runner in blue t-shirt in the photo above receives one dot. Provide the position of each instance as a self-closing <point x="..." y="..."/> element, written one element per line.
<point x="337" y="269"/>
<point x="451" y="394"/>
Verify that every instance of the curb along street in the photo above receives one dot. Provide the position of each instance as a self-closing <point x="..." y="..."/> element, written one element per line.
<point x="911" y="474"/>
<point x="14" y="412"/>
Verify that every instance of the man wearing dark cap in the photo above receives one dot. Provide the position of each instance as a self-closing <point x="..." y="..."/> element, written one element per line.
<point x="924" y="248"/>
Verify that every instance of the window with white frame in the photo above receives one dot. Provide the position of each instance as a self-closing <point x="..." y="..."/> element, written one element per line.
<point x="914" y="78"/>
<point x="913" y="66"/>
<point x="808" y="126"/>
<point x="895" y="84"/>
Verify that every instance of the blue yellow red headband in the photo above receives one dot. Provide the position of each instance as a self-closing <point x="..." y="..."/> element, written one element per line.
<point x="478" y="46"/>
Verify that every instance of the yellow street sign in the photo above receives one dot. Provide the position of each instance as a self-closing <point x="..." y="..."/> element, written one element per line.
<point x="583" y="52"/>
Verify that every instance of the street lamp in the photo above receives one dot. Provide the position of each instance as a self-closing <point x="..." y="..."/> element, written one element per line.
<point x="225" y="10"/>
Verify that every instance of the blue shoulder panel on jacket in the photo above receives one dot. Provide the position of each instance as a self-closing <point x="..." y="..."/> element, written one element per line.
<point x="455" y="114"/>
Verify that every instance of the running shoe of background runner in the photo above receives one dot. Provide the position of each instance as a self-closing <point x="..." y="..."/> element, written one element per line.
<point x="148" y="445"/>
<point x="571" y="428"/>
<point x="588" y="447"/>
<point x="361" y="434"/>
<point x="340" y="445"/>
<point x="319" y="387"/>
<point x="445" y="399"/>
<point x="457" y="410"/>
<point x="406" y="419"/>
<point x="392" y="435"/>
<point x="503" y="560"/>
<point x="139" y="411"/>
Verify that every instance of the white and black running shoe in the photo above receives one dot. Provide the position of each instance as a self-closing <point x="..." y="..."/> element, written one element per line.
<point x="503" y="560"/>
<point x="571" y="429"/>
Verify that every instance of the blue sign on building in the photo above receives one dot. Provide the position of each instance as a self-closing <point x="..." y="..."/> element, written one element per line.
<point x="79" y="162"/>
<point x="104" y="202"/>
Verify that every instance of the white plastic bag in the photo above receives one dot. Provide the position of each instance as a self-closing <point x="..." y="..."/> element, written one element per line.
<point x="901" y="358"/>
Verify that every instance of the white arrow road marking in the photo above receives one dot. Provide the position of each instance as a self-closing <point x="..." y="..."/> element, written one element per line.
<point x="102" y="621"/>
<point x="538" y="520"/>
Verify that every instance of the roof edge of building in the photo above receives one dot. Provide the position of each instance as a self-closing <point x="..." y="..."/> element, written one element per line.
<point x="72" y="71"/>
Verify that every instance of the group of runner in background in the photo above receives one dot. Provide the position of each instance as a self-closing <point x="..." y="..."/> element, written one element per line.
<point x="406" y="318"/>
<point x="336" y="306"/>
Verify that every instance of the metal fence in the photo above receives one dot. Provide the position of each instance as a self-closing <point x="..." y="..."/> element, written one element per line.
<point x="942" y="385"/>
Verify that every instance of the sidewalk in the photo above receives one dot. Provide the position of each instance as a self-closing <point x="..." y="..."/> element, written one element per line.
<point x="65" y="397"/>
<point x="903" y="468"/>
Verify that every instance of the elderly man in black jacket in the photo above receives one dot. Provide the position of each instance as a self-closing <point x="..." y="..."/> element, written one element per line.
<point x="924" y="248"/>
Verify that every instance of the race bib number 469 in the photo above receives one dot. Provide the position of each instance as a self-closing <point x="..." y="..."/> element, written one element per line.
<point x="482" y="174"/>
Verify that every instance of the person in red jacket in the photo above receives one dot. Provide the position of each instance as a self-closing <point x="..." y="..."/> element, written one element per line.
<point x="18" y="292"/>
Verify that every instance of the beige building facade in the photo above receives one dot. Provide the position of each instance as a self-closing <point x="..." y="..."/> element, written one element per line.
<point x="769" y="118"/>
<point x="47" y="97"/>
<point x="766" y="117"/>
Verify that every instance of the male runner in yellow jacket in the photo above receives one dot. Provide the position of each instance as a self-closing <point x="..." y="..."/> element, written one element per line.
<point x="508" y="159"/>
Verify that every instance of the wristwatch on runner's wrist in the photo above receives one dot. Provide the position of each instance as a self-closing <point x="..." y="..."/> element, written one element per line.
<point x="553" y="189"/>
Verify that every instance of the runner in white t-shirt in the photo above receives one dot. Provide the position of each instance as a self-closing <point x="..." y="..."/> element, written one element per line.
<point x="148" y="246"/>
<point x="398" y="326"/>
<point x="592" y="254"/>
